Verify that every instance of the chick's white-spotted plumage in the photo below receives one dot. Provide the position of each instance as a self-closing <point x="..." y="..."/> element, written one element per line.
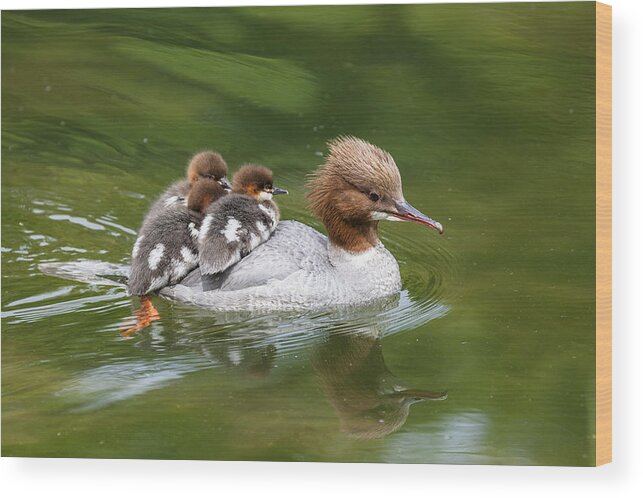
<point x="233" y="227"/>
<point x="165" y="251"/>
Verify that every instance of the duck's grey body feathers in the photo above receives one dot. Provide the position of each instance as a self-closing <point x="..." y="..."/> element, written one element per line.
<point x="234" y="226"/>
<point x="296" y="269"/>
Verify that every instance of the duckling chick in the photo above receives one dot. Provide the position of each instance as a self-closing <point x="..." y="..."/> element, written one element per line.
<point x="239" y="222"/>
<point x="166" y="248"/>
<point x="205" y="165"/>
<point x="172" y="221"/>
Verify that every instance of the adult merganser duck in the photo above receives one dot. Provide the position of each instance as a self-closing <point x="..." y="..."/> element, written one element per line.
<point x="300" y="269"/>
<point x="239" y="222"/>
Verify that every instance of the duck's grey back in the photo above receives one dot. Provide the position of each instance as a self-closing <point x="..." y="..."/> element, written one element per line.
<point x="292" y="247"/>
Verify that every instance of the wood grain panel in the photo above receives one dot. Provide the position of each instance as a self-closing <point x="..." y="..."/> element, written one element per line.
<point x="603" y="234"/>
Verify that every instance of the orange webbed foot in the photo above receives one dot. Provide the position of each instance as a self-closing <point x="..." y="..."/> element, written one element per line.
<point x="145" y="315"/>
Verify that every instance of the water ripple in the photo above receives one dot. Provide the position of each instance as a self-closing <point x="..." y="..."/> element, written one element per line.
<point x="78" y="220"/>
<point x="80" y="305"/>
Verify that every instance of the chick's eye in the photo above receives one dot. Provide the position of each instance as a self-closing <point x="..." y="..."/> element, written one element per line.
<point x="374" y="196"/>
<point x="267" y="186"/>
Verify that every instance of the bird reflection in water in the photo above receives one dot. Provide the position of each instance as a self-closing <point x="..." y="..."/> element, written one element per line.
<point x="344" y="349"/>
<point x="255" y="361"/>
<point x="368" y="399"/>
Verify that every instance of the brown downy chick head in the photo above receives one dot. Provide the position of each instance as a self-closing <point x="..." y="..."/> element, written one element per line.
<point x="208" y="164"/>
<point x="203" y="193"/>
<point x="255" y="181"/>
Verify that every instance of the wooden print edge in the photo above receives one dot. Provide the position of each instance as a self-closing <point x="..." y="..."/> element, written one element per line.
<point x="603" y="233"/>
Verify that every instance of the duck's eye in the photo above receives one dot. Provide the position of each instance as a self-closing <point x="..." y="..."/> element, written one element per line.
<point x="374" y="196"/>
<point x="267" y="186"/>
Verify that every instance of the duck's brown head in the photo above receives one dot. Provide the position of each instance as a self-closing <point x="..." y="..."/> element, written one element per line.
<point x="203" y="193"/>
<point x="255" y="181"/>
<point x="210" y="165"/>
<point x="359" y="185"/>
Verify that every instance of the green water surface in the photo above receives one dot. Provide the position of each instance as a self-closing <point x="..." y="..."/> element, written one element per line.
<point x="489" y="112"/>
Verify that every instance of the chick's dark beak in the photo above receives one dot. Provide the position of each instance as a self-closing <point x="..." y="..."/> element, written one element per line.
<point x="407" y="212"/>
<point x="225" y="183"/>
<point x="279" y="191"/>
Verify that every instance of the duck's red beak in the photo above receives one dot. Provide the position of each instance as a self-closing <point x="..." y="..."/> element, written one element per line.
<point x="407" y="212"/>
